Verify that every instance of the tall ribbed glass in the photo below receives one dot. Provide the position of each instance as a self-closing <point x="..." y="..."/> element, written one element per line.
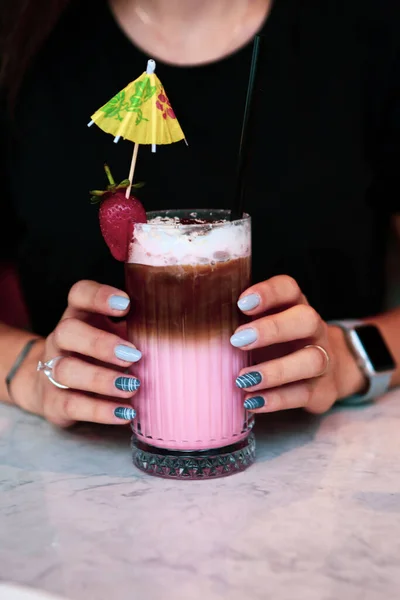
<point x="185" y="273"/>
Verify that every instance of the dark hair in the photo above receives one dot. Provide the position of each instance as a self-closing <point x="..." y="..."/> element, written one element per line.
<point x="24" y="26"/>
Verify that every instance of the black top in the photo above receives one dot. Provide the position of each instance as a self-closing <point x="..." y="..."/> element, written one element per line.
<point x="325" y="155"/>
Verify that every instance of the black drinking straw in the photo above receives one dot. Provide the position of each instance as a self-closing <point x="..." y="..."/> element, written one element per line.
<point x="238" y="207"/>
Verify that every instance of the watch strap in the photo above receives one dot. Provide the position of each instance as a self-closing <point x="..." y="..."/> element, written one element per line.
<point x="377" y="386"/>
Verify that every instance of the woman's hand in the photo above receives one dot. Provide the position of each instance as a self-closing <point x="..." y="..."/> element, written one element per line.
<point x="303" y="362"/>
<point x="95" y="359"/>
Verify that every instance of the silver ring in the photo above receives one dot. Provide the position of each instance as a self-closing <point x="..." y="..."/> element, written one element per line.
<point x="47" y="369"/>
<point x="326" y="356"/>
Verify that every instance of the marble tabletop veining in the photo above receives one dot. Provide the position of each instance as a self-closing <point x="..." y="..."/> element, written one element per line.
<point x="316" y="518"/>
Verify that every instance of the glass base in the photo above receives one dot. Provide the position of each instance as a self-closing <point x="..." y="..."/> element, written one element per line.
<point x="206" y="464"/>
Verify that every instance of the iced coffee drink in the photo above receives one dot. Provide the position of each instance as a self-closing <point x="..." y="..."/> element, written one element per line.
<point x="184" y="275"/>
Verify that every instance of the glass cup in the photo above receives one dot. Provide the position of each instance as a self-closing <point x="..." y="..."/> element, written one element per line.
<point x="185" y="272"/>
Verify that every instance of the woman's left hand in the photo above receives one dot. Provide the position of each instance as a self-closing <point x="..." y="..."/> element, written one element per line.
<point x="302" y="361"/>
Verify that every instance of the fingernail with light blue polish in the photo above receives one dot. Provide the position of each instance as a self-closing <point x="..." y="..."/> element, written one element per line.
<point x="249" y="379"/>
<point x="127" y="384"/>
<point x="244" y="338"/>
<point x="127" y="414"/>
<point x="254" y="403"/>
<point x="249" y="302"/>
<point x="118" y="302"/>
<point x="127" y="353"/>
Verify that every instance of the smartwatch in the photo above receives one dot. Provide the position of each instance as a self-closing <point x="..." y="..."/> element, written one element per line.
<point x="373" y="357"/>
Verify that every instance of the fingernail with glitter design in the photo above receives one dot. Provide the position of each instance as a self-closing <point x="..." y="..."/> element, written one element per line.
<point x="249" y="302"/>
<point x="244" y="338"/>
<point x="127" y="414"/>
<point x="118" y="302"/>
<point x="127" y="353"/>
<point x="254" y="403"/>
<point x="127" y="384"/>
<point x="249" y="379"/>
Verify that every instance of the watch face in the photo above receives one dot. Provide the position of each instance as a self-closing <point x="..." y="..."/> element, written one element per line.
<point x="375" y="346"/>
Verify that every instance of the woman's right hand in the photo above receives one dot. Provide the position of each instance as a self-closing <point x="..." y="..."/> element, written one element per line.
<point x="95" y="358"/>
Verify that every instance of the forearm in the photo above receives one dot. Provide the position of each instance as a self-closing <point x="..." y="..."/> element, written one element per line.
<point x="12" y="341"/>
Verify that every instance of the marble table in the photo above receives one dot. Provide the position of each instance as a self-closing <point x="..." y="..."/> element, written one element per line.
<point x="316" y="518"/>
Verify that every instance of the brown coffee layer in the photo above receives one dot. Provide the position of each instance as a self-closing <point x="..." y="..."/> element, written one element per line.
<point x="185" y="301"/>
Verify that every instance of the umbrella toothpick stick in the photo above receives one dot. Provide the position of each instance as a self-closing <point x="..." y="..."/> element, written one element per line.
<point x="132" y="169"/>
<point x="151" y="67"/>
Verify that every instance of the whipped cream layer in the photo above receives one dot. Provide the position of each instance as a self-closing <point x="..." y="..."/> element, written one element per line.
<point x="165" y="241"/>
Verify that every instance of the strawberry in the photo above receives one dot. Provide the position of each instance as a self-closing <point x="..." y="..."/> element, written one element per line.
<point x="118" y="215"/>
